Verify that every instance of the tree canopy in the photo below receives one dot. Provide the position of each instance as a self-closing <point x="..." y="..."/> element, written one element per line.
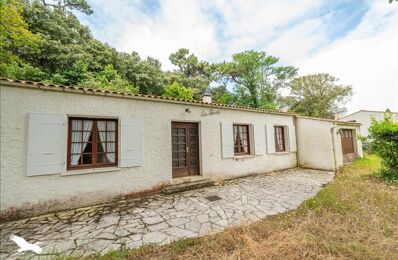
<point x="318" y="95"/>
<point x="43" y="40"/>
<point x="257" y="78"/>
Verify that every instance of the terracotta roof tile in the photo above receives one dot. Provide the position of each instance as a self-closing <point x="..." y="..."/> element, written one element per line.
<point x="151" y="97"/>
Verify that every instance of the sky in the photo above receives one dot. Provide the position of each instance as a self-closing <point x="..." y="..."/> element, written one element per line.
<point x="354" y="40"/>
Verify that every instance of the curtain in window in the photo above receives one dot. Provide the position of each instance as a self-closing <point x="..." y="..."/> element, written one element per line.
<point x="79" y="138"/>
<point x="107" y="146"/>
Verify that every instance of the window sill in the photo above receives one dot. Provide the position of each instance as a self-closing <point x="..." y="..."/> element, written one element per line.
<point x="89" y="171"/>
<point x="281" y="153"/>
<point x="244" y="156"/>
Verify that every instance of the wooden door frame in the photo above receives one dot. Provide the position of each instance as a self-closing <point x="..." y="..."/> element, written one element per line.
<point x="354" y="144"/>
<point x="199" y="144"/>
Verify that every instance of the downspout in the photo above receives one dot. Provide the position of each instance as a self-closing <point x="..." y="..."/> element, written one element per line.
<point x="297" y="147"/>
<point x="334" y="148"/>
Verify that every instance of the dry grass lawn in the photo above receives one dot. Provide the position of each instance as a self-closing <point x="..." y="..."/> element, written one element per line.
<point x="354" y="217"/>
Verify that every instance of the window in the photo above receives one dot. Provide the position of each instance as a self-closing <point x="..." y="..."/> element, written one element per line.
<point x="280" y="145"/>
<point x="241" y="139"/>
<point x="92" y="143"/>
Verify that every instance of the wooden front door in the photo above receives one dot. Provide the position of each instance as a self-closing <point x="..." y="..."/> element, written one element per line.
<point x="185" y="149"/>
<point x="347" y="145"/>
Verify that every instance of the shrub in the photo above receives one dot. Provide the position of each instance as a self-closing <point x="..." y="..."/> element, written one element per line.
<point x="384" y="138"/>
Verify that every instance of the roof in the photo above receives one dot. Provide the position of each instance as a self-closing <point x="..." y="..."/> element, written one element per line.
<point x="339" y="122"/>
<point x="369" y="111"/>
<point x="90" y="91"/>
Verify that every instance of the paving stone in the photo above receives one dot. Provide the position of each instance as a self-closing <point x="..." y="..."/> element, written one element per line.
<point x="178" y="232"/>
<point x="158" y="226"/>
<point x="164" y="218"/>
<point x="154" y="237"/>
<point x="152" y="220"/>
<point x="178" y="221"/>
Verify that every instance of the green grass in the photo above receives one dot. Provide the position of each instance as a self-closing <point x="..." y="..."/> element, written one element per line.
<point x="355" y="217"/>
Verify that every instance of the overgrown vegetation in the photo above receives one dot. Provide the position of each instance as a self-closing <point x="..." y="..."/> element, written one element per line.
<point x="355" y="217"/>
<point x="383" y="136"/>
<point x="44" y="41"/>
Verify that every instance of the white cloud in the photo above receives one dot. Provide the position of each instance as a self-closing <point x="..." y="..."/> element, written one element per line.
<point x="192" y="24"/>
<point x="299" y="32"/>
<point x="366" y="58"/>
<point x="294" y="44"/>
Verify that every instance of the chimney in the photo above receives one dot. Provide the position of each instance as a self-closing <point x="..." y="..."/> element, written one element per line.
<point x="206" y="98"/>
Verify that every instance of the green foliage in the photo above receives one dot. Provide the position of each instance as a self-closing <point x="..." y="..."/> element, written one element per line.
<point x="14" y="31"/>
<point x="42" y="40"/>
<point x="22" y="72"/>
<point x="384" y="142"/>
<point x="176" y="90"/>
<point x="191" y="72"/>
<point x="221" y="95"/>
<point x="318" y="95"/>
<point x="108" y="79"/>
<point x="257" y="78"/>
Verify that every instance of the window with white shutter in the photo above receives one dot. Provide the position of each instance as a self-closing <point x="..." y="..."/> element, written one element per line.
<point x="131" y="142"/>
<point x="92" y="142"/>
<point x="46" y="144"/>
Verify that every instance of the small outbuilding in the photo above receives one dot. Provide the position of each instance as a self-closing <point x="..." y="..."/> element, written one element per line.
<point x="64" y="147"/>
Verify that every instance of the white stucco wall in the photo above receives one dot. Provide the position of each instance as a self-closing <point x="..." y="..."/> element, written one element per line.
<point x="315" y="146"/>
<point x="58" y="192"/>
<point x="319" y="139"/>
<point x="364" y="117"/>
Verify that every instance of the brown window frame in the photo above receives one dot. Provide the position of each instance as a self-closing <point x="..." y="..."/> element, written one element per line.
<point x="95" y="143"/>
<point x="241" y="147"/>
<point x="277" y="139"/>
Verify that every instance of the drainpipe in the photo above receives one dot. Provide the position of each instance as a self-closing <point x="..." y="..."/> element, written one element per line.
<point x="297" y="147"/>
<point x="334" y="148"/>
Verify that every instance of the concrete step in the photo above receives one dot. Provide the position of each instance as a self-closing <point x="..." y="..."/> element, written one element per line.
<point x="191" y="185"/>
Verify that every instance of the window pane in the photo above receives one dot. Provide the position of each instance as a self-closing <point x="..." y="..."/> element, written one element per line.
<point x="76" y="124"/>
<point x="101" y="158"/>
<point x="111" y="136"/>
<point x="88" y="148"/>
<point x="101" y="147"/>
<point x="111" y="157"/>
<point x="87" y="158"/>
<point x="77" y="136"/>
<point x="111" y="126"/>
<point x="110" y="147"/>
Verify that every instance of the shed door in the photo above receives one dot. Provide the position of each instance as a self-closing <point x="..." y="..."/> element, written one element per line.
<point x="185" y="149"/>
<point x="347" y="144"/>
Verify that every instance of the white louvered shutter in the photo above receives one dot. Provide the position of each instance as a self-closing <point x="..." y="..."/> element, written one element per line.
<point x="130" y="142"/>
<point x="46" y="138"/>
<point x="270" y="139"/>
<point x="292" y="138"/>
<point x="259" y="139"/>
<point x="227" y="140"/>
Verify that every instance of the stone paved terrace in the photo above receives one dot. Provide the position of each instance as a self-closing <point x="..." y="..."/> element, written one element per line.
<point x="164" y="218"/>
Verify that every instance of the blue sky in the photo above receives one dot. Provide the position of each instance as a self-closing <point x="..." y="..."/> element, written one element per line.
<point x="354" y="40"/>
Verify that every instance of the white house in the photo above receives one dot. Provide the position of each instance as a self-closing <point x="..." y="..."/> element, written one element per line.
<point x="365" y="118"/>
<point x="65" y="147"/>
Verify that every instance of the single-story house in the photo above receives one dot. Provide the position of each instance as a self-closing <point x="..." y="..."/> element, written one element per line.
<point x="364" y="117"/>
<point x="64" y="147"/>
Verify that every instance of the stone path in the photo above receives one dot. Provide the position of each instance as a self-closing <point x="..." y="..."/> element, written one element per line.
<point x="164" y="218"/>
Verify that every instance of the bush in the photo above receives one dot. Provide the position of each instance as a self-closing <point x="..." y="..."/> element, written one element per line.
<point x="384" y="138"/>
